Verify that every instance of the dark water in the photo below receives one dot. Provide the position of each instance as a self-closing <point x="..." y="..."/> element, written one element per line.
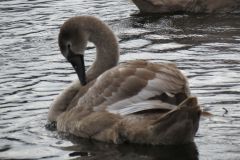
<point x="32" y="73"/>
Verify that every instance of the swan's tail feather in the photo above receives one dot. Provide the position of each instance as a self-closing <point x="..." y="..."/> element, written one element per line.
<point x="179" y="125"/>
<point x="206" y="114"/>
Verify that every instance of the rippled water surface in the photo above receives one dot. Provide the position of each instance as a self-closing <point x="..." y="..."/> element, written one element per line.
<point x="205" y="47"/>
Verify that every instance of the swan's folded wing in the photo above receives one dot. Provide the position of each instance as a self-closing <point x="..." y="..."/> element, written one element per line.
<point x="134" y="82"/>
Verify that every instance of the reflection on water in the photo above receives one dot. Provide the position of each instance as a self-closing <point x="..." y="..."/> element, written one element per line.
<point x="205" y="47"/>
<point x="97" y="150"/>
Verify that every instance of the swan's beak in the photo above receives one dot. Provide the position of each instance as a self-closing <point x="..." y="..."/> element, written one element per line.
<point x="77" y="62"/>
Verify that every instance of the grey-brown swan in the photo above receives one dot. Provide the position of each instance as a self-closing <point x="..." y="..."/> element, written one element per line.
<point x="136" y="101"/>
<point x="193" y="6"/>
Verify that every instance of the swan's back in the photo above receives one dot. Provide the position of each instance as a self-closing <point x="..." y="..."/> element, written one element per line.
<point x="194" y="6"/>
<point x="134" y="82"/>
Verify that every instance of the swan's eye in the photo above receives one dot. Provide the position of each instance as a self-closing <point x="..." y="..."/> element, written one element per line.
<point x="69" y="46"/>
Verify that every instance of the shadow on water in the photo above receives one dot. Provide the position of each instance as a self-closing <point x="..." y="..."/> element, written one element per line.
<point x="90" y="150"/>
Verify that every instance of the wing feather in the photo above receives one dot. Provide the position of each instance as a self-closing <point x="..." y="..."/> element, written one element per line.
<point x="134" y="83"/>
<point x="143" y="106"/>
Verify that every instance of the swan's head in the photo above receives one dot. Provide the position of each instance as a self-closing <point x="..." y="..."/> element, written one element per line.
<point x="73" y="38"/>
<point x="72" y="41"/>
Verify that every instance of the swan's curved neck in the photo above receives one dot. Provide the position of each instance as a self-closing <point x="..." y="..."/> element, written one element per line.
<point x="107" y="52"/>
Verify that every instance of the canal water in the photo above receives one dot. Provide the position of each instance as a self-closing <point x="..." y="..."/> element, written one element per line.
<point x="32" y="72"/>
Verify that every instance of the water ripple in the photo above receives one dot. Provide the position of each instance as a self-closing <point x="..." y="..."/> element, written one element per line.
<point x="205" y="47"/>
